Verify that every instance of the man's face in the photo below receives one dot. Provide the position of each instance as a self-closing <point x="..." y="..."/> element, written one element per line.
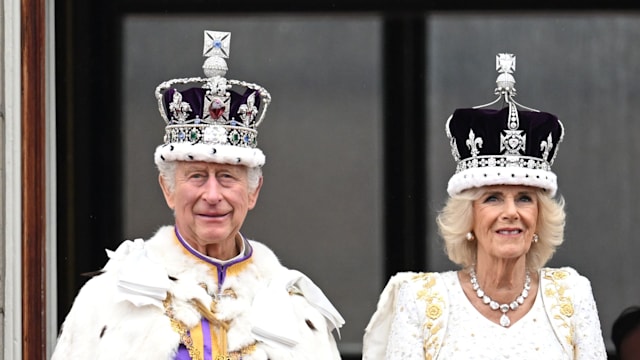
<point x="210" y="202"/>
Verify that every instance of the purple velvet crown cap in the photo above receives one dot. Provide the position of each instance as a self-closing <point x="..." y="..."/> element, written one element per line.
<point x="488" y="151"/>
<point x="195" y="97"/>
<point x="489" y="125"/>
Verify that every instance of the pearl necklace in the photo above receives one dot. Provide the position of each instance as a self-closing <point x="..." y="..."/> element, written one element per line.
<point x="494" y="305"/>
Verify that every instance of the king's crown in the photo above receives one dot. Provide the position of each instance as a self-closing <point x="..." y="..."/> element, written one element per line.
<point x="207" y="110"/>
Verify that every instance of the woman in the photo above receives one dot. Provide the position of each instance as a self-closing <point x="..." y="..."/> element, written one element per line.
<point x="501" y="224"/>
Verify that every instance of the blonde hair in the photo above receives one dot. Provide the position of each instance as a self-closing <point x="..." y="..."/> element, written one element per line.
<point x="455" y="220"/>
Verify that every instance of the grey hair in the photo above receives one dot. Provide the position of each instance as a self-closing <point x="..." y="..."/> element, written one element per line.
<point x="167" y="170"/>
<point x="455" y="220"/>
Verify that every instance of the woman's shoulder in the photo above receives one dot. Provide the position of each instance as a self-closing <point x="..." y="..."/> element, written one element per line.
<point x="421" y="278"/>
<point x="564" y="279"/>
<point x="421" y="285"/>
<point x="562" y="274"/>
<point x="559" y="272"/>
<point x="423" y="290"/>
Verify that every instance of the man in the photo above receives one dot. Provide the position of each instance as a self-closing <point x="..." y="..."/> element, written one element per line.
<point x="199" y="289"/>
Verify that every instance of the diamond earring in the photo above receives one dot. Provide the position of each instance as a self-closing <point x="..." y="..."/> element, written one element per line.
<point x="536" y="238"/>
<point x="470" y="236"/>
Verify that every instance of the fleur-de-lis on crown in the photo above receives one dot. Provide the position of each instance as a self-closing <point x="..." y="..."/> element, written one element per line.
<point x="545" y="147"/>
<point x="248" y="111"/>
<point x="454" y="149"/>
<point x="474" y="144"/>
<point x="217" y="85"/>
<point x="179" y="109"/>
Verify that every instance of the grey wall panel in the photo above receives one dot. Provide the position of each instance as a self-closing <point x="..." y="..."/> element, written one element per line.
<point x="583" y="68"/>
<point x="320" y="206"/>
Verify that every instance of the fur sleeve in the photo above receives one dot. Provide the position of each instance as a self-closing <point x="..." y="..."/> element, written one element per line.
<point x="100" y="327"/>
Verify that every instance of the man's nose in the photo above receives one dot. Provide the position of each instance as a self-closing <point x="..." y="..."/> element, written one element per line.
<point x="212" y="193"/>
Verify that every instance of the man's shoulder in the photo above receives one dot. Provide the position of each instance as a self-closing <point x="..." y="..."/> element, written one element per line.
<point x="164" y="236"/>
<point x="263" y="256"/>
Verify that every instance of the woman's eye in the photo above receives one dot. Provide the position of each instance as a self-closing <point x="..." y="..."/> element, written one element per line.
<point x="526" y="198"/>
<point x="491" y="198"/>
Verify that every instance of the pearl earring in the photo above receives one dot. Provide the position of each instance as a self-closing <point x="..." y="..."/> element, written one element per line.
<point x="536" y="238"/>
<point x="470" y="236"/>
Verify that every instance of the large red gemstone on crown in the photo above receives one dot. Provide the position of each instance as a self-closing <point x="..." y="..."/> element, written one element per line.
<point x="216" y="113"/>
<point x="216" y="109"/>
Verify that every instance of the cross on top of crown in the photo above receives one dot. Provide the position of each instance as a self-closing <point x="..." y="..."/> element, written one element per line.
<point x="505" y="63"/>
<point x="216" y="43"/>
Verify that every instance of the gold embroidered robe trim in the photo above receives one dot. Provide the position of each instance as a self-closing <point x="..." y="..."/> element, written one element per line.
<point x="556" y="296"/>
<point x="431" y="293"/>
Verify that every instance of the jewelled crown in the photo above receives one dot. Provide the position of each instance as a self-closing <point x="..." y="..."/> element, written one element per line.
<point x="212" y="118"/>
<point x="515" y="145"/>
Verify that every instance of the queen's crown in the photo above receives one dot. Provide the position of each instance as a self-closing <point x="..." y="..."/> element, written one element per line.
<point x="513" y="145"/>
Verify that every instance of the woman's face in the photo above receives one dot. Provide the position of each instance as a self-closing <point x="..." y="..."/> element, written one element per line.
<point x="504" y="221"/>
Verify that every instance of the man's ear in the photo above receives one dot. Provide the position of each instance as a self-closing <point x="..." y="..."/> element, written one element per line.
<point x="253" y="197"/>
<point x="168" y="194"/>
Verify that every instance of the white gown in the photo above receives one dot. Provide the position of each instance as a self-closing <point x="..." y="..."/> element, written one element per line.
<point x="428" y="316"/>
